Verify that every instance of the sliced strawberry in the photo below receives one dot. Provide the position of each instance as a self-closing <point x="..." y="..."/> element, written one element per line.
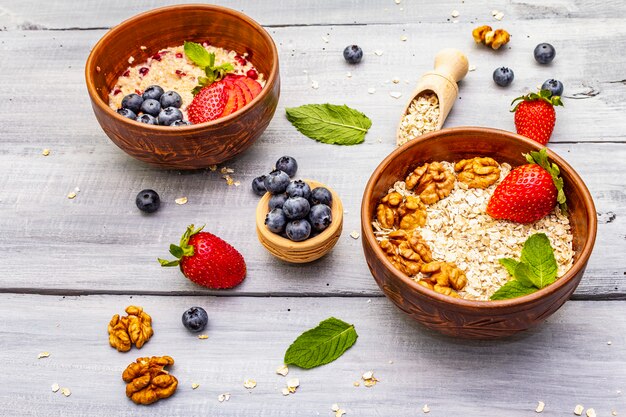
<point x="231" y="78"/>
<point x="255" y="87"/>
<point x="231" y="104"/>
<point x="208" y="104"/>
<point x="241" y="98"/>
<point x="245" y="90"/>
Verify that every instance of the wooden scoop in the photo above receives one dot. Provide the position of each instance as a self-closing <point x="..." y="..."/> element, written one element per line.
<point x="450" y="67"/>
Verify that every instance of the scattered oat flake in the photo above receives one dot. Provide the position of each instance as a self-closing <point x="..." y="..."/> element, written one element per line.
<point x="71" y="195"/>
<point x="395" y="94"/>
<point x="98" y="69"/>
<point x="181" y="200"/>
<point x="609" y="343"/>
<point x="371" y="90"/>
<point x="282" y="370"/>
<point x="203" y="336"/>
<point x="472" y="68"/>
<point x="354" y="234"/>
<point x="43" y="355"/>
<point x="540" y="406"/>
<point x="194" y="385"/>
<point x="578" y="410"/>
<point x="285" y="391"/>
<point x="55" y="387"/>
<point x="494" y="12"/>
<point x="455" y="13"/>
<point x="131" y="59"/>
<point x="396" y="80"/>
<point x="398" y="1"/>
<point x="226" y="170"/>
<point x="378" y="52"/>
<point x="334" y="407"/>
<point x="223" y="397"/>
<point x="237" y="183"/>
<point x="315" y="85"/>
<point x="325" y="39"/>
<point x="403" y="38"/>
<point x="499" y="16"/>
<point x="390" y="362"/>
<point x="349" y="74"/>
<point x="66" y="392"/>
<point x="369" y="380"/>
<point x="368" y="375"/>
<point x="45" y="152"/>
<point x="613" y="413"/>
<point x="293" y="384"/>
<point x="249" y="383"/>
<point x="213" y="167"/>
<point x="426" y="409"/>
<point x="340" y="413"/>
<point x="356" y="383"/>
<point x="591" y="412"/>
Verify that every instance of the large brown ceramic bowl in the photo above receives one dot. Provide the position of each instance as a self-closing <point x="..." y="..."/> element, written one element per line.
<point x="458" y="317"/>
<point x="183" y="147"/>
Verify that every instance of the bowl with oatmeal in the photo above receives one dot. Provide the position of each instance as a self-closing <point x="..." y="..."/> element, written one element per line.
<point x="474" y="233"/>
<point x="191" y="96"/>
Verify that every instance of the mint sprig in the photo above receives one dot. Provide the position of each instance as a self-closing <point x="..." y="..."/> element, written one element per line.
<point x="322" y="344"/>
<point x="536" y="269"/>
<point x="206" y="60"/>
<point x="330" y="123"/>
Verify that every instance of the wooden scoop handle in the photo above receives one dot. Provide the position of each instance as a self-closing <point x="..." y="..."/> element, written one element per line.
<point x="452" y="64"/>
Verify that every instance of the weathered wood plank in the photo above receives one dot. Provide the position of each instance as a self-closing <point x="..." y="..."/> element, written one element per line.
<point x="29" y="15"/>
<point x="565" y="362"/>
<point x="99" y="242"/>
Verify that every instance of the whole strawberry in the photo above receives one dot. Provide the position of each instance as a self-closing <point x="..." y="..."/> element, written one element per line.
<point x="529" y="192"/>
<point x="535" y="115"/>
<point x="208" y="104"/>
<point x="207" y="260"/>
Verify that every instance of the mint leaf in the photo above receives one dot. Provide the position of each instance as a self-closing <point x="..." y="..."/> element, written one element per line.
<point x="197" y="54"/>
<point x="509" y="264"/>
<point x="330" y="123"/>
<point x="512" y="289"/>
<point x="322" y="344"/>
<point x="538" y="255"/>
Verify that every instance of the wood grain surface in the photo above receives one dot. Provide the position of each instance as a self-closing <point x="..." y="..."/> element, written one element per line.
<point x="95" y="254"/>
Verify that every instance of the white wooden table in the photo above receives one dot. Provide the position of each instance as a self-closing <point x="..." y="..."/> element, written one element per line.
<point x="68" y="265"/>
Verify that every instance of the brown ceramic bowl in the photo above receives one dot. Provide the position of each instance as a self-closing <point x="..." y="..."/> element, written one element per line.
<point x="308" y="250"/>
<point x="183" y="147"/>
<point x="458" y="317"/>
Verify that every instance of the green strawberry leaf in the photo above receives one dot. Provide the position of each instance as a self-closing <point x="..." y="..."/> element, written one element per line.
<point x="198" y="54"/>
<point x="541" y="158"/>
<point x="538" y="259"/>
<point x="165" y="262"/>
<point x="183" y="249"/>
<point x="512" y="289"/>
<point x="330" y="123"/>
<point x="322" y="344"/>
<point x="176" y="251"/>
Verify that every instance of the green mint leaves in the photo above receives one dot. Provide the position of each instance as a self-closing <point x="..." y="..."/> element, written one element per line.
<point x="536" y="269"/>
<point x="205" y="60"/>
<point x="330" y="123"/>
<point x="541" y="158"/>
<point x="322" y="344"/>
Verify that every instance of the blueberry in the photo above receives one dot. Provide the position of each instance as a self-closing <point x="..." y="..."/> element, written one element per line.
<point x="132" y="102"/>
<point x="544" y="53"/>
<point x="276" y="221"/>
<point x="299" y="188"/>
<point x="277" y="181"/>
<point x="180" y="123"/>
<point x="171" y="99"/>
<point x="151" y="107"/>
<point x="258" y="185"/>
<point x="287" y="164"/>
<point x="277" y="201"/>
<point x="503" y="76"/>
<point x="353" y="54"/>
<point x="148" y="201"/>
<point x="154" y="92"/>
<point x="170" y="115"/>
<point x="321" y="195"/>
<point x="147" y="119"/>
<point x="555" y="87"/>
<point x="195" y="319"/>
<point x="298" y="230"/>
<point x="127" y="113"/>
<point x="296" y="208"/>
<point x="320" y="217"/>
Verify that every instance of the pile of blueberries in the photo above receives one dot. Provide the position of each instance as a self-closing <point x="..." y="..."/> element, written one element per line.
<point x="154" y="107"/>
<point x="296" y="211"/>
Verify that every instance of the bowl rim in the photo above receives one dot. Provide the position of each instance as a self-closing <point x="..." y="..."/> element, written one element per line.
<point x="368" y="233"/>
<point x="90" y="67"/>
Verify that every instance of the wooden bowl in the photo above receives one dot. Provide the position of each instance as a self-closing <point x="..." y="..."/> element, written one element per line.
<point x="194" y="146"/>
<point x="458" y="317"/>
<point x="305" y="251"/>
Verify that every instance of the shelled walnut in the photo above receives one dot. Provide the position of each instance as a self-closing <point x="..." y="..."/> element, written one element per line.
<point x="431" y="182"/>
<point x="478" y="172"/>
<point x="406" y="213"/>
<point x="147" y="381"/>
<point x="407" y="252"/>
<point x="443" y="277"/>
<point x="493" y="38"/>
<point x="135" y="328"/>
<point x="386" y="212"/>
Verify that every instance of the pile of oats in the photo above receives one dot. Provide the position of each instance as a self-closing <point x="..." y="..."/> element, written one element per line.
<point x="421" y="117"/>
<point x="458" y="230"/>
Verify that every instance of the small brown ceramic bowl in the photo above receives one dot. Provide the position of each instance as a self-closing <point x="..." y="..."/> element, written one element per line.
<point x="305" y="251"/>
<point x="194" y="146"/>
<point x="458" y="317"/>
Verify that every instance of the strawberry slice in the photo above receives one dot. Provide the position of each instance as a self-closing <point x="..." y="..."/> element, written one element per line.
<point x="232" y="100"/>
<point x="208" y="104"/>
<point x="255" y="87"/>
<point x="247" y="94"/>
<point x="241" y="98"/>
<point x="231" y="78"/>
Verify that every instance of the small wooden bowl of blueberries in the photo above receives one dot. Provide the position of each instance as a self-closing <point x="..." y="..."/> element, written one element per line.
<point x="297" y="221"/>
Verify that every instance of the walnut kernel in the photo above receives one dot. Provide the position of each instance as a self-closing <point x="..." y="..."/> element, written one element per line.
<point x="431" y="182"/>
<point x="411" y="213"/>
<point x="443" y="277"/>
<point x="497" y="38"/>
<point x="478" y="172"/>
<point x="479" y="33"/>
<point x="147" y="381"/>
<point x="135" y="328"/>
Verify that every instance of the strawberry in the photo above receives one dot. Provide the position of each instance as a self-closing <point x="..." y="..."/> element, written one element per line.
<point x="535" y="115"/>
<point x="208" y="104"/>
<point x="207" y="260"/>
<point x="529" y="192"/>
<point x="232" y="103"/>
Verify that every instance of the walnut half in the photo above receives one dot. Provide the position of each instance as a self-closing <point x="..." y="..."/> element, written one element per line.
<point x="135" y="328"/>
<point x="493" y="38"/>
<point x="478" y="172"/>
<point x="431" y="182"/>
<point x="443" y="277"/>
<point x="406" y="252"/>
<point x="147" y="381"/>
